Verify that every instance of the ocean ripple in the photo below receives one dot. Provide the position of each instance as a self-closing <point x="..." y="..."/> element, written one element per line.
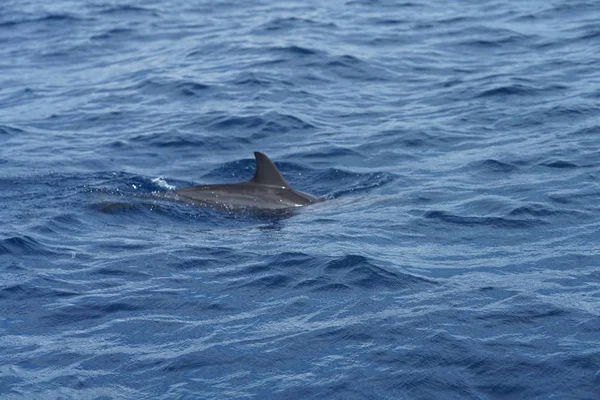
<point x="454" y="254"/>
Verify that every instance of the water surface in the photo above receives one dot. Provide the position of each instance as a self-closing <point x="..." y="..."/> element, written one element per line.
<point x="457" y="146"/>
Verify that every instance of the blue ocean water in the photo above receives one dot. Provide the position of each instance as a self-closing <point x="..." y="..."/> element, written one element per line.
<point x="457" y="146"/>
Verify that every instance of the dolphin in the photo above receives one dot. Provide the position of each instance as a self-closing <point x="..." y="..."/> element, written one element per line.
<point x="267" y="190"/>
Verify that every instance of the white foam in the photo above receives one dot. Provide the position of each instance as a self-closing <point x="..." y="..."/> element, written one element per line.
<point x="160" y="181"/>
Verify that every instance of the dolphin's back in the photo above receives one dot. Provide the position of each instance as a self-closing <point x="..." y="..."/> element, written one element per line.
<point x="266" y="190"/>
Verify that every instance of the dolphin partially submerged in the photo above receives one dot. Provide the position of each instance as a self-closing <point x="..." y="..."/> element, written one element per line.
<point x="267" y="190"/>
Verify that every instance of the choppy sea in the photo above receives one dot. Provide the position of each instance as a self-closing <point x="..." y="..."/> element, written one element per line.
<point x="456" y="145"/>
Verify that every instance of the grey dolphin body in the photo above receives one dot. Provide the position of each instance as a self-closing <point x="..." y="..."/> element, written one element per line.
<point x="267" y="190"/>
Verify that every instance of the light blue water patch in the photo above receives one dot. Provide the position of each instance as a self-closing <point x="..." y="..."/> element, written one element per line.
<point x="457" y="148"/>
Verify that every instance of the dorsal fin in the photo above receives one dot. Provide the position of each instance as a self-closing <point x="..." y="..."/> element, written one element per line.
<point x="266" y="172"/>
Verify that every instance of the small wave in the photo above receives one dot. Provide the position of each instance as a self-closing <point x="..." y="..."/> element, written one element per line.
<point x="572" y="111"/>
<point x="390" y="21"/>
<point x="115" y="272"/>
<point x="351" y="67"/>
<point x="522" y="90"/>
<point x="480" y="44"/>
<point x="200" y="359"/>
<point x="79" y="313"/>
<point x="518" y="315"/>
<point x="186" y="140"/>
<point x="28" y="292"/>
<point x="358" y="271"/>
<point x="271" y="122"/>
<point x="9" y="130"/>
<point x="129" y="10"/>
<point x="399" y="139"/>
<point x="494" y="166"/>
<point x="117" y="33"/>
<point x="574" y="196"/>
<point x="588" y="131"/>
<point x="282" y="24"/>
<point x="378" y="3"/>
<point x="191" y="88"/>
<point x="538" y="210"/>
<point x="60" y="19"/>
<point x="503" y="91"/>
<point x="347" y="67"/>
<point x="352" y="183"/>
<point x="294" y="50"/>
<point x="590" y="33"/>
<point x="181" y="89"/>
<point x="255" y="79"/>
<point x="329" y="152"/>
<point x="315" y="273"/>
<point x="559" y="164"/>
<point x="496" y="222"/>
<point x="23" y="246"/>
<point x="65" y="223"/>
